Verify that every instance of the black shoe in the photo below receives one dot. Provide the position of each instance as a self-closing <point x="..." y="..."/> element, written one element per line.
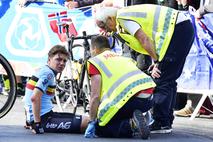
<point x="158" y="129"/>
<point x="20" y="91"/>
<point x="141" y="125"/>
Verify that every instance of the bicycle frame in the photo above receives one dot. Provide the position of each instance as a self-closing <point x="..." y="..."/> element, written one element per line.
<point x="78" y="88"/>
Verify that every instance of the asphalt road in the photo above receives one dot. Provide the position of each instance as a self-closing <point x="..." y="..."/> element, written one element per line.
<point x="184" y="130"/>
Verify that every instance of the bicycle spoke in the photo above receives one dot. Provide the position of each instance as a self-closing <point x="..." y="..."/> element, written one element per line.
<point x="7" y="87"/>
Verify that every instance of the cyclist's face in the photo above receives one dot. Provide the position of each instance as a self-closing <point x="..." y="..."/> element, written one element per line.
<point x="58" y="62"/>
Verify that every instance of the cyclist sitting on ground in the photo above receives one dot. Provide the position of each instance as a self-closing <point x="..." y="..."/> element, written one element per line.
<point x="120" y="93"/>
<point x="40" y="90"/>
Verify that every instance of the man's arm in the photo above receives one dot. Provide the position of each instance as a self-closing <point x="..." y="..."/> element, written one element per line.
<point x="36" y="103"/>
<point x="81" y="3"/>
<point x="95" y="96"/>
<point x="146" y="42"/>
<point x="135" y="30"/>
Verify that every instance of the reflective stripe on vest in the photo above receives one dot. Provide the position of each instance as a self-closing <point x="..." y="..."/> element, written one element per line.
<point x="165" y="29"/>
<point x="119" y="81"/>
<point x="124" y="82"/>
<point x="134" y="14"/>
<point x="102" y="66"/>
<point x="123" y="93"/>
<point x="155" y="23"/>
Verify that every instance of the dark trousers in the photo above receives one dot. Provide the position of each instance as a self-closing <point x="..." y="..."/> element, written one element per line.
<point x="55" y="122"/>
<point x="119" y="126"/>
<point x="171" y="68"/>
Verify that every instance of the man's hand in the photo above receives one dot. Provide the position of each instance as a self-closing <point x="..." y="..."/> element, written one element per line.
<point x="90" y="131"/>
<point x="155" y="72"/>
<point x="22" y="3"/>
<point x="71" y="4"/>
<point x="36" y="128"/>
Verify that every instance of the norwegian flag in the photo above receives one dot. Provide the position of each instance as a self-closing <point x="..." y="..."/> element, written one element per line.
<point x="56" y="23"/>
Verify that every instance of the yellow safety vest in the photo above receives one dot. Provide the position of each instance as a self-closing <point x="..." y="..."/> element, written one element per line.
<point x="158" y="22"/>
<point x="121" y="79"/>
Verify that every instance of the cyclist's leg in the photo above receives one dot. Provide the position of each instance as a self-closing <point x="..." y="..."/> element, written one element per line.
<point x="64" y="123"/>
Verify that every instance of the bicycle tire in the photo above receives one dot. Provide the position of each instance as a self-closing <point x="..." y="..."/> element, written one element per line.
<point x="85" y="90"/>
<point x="10" y="96"/>
<point x="83" y="87"/>
<point x="66" y="95"/>
<point x="78" y="97"/>
<point x="75" y="47"/>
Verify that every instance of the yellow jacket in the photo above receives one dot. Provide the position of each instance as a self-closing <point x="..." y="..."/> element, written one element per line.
<point x="158" y="22"/>
<point x="121" y="80"/>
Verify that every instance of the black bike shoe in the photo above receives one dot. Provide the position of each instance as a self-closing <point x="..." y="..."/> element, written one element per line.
<point x="141" y="126"/>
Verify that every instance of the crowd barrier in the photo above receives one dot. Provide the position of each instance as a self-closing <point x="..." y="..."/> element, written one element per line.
<point x="197" y="75"/>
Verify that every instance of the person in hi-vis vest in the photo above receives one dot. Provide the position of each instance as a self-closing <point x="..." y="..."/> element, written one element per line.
<point x="121" y="94"/>
<point x="161" y="32"/>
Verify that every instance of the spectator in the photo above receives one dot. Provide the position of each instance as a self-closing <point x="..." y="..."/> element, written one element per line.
<point x="39" y="92"/>
<point x="183" y="4"/>
<point x="142" y="29"/>
<point x="68" y="3"/>
<point x="180" y="4"/>
<point x="120" y="93"/>
<point x="80" y="3"/>
<point x="135" y="2"/>
<point x="206" y="6"/>
<point x="193" y="99"/>
<point x="22" y="3"/>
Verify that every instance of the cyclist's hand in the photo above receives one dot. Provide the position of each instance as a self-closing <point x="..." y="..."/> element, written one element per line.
<point x="37" y="129"/>
<point x="90" y="131"/>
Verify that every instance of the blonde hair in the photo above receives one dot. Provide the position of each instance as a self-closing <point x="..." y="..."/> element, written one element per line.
<point x="101" y="13"/>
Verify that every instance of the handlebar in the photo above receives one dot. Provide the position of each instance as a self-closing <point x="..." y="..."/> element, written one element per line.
<point x="72" y="38"/>
<point x="85" y="37"/>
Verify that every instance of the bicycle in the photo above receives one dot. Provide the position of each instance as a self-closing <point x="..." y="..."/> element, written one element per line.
<point x="74" y="88"/>
<point x="7" y="86"/>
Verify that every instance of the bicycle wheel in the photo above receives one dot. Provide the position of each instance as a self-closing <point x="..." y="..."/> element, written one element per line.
<point x="7" y="86"/>
<point x="86" y="93"/>
<point x="66" y="95"/>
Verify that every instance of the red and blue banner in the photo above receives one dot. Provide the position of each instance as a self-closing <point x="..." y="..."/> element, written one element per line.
<point x="57" y="21"/>
<point x="27" y="34"/>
